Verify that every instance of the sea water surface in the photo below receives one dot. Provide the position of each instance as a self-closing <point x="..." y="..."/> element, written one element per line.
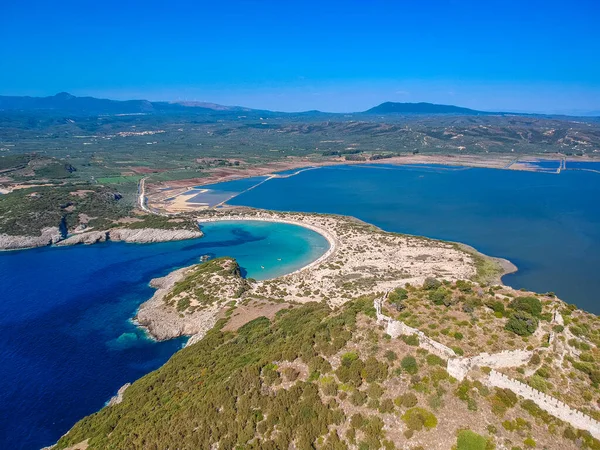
<point x="66" y="340"/>
<point x="547" y="224"/>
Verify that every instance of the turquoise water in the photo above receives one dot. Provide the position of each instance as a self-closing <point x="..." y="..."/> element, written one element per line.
<point x="66" y="342"/>
<point x="547" y="224"/>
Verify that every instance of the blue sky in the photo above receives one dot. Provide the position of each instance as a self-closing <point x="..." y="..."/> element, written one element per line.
<point x="526" y="55"/>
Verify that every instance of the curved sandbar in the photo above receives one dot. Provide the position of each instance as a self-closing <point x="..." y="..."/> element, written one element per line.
<point x="331" y="239"/>
<point x="361" y="260"/>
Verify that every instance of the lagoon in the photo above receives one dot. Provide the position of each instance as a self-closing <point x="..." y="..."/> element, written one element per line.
<point x="66" y="340"/>
<point x="547" y="224"/>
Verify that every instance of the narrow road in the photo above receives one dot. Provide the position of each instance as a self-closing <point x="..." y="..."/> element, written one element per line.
<point x="142" y="195"/>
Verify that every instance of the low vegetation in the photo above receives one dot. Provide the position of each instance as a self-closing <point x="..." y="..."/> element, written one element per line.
<point x="314" y="377"/>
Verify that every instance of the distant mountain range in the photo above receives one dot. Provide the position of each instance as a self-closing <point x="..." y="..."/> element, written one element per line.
<point x="66" y="103"/>
<point x="421" y="108"/>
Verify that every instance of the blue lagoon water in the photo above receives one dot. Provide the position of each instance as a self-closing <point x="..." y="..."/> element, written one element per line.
<point x="66" y="340"/>
<point x="547" y="224"/>
<point x="213" y="194"/>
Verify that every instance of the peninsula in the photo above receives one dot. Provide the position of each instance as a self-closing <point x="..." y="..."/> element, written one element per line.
<point x="386" y="340"/>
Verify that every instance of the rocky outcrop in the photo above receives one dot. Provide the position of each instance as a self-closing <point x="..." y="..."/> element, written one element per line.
<point x="145" y="235"/>
<point x="193" y="310"/>
<point x="50" y="235"/>
<point x="119" y="397"/>
<point x="90" y="237"/>
<point x="165" y="322"/>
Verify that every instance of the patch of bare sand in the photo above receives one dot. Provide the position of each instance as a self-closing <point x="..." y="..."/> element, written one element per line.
<point x="129" y="220"/>
<point x="361" y="259"/>
<point x="253" y="310"/>
<point x="81" y="192"/>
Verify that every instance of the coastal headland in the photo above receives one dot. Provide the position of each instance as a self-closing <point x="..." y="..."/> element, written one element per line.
<point x="426" y="325"/>
<point x="361" y="259"/>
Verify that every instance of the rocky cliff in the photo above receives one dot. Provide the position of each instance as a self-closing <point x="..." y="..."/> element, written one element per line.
<point x="188" y="301"/>
<point x="51" y="236"/>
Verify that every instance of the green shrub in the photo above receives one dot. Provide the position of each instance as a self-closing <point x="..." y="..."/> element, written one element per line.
<point x="407" y="400"/>
<point x="374" y="370"/>
<point x="538" y="383"/>
<point x="390" y="356"/>
<point x="463" y="392"/>
<point x="348" y="358"/>
<point x="431" y="283"/>
<point x="529" y="305"/>
<point x="434" y="360"/>
<point x="441" y="296"/>
<point x="375" y="390"/>
<point x="409" y="365"/>
<point x="418" y="418"/>
<point x="410" y="339"/>
<point x="502" y="400"/>
<point x="497" y="306"/>
<point x="397" y="297"/>
<point x="330" y="388"/>
<point x="522" y="323"/>
<point x="358" y="398"/>
<point x="464" y="286"/>
<point x="386" y="406"/>
<point x="519" y="424"/>
<point x="459" y="351"/>
<point x="469" y="440"/>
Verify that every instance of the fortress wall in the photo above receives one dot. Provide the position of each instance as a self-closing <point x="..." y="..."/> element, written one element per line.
<point x="549" y="404"/>
<point x="397" y="328"/>
<point x="459" y="367"/>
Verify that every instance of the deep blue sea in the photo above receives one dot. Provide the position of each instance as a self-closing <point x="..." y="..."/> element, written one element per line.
<point x="547" y="224"/>
<point x="66" y="342"/>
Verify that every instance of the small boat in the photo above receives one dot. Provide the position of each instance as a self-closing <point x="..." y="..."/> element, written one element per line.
<point x="262" y="267"/>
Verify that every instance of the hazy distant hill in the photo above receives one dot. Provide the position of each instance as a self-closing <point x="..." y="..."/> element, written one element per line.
<point x="67" y="103"/>
<point x="421" y="108"/>
<point x="208" y="105"/>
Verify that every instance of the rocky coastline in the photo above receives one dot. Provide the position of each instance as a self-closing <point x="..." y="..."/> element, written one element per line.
<point x="53" y="236"/>
<point x="49" y="236"/>
<point x="163" y="322"/>
<point x="374" y="261"/>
